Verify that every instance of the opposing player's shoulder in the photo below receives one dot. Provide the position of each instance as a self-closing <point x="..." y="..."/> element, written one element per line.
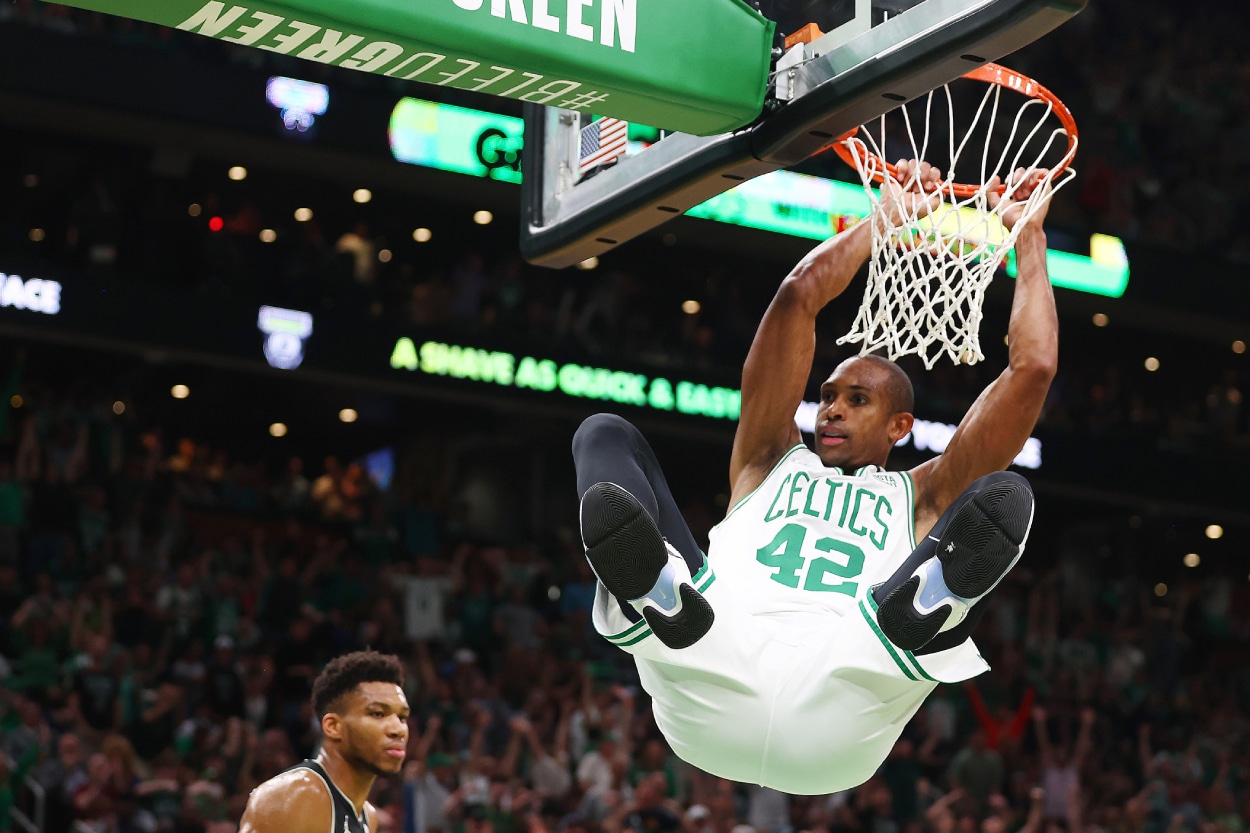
<point x="296" y="801"/>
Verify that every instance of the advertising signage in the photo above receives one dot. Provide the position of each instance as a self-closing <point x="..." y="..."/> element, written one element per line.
<point x="656" y="393"/>
<point x="466" y="141"/>
<point x="227" y="328"/>
<point x="31" y="294"/>
<point x="607" y="56"/>
<point x="571" y="379"/>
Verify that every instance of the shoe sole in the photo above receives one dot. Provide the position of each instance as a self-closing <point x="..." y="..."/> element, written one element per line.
<point x="987" y="535"/>
<point x="978" y="547"/>
<point x="627" y="553"/>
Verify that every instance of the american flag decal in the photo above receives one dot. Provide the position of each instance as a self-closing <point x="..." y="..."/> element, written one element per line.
<point x="602" y="141"/>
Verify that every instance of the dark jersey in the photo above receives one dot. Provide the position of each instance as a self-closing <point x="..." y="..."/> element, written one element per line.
<point x="344" y="814"/>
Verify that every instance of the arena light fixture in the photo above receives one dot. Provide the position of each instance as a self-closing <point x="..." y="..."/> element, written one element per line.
<point x="268" y="235"/>
<point x="216" y="224"/>
<point x="1152" y="364"/>
<point x="385" y="255"/>
<point x="1215" y="531"/>
<point x="277" y="429"/>
<point x="180" y="391"/>
<point x="1101" y="320"/>
<point x="303" y="215"/>
<point x="119" y="407"/>
<point x="285" y="332"/>
<point x="588" y="264"/>
<point x="348" y="415"/>
<point x="1191" y="559"/>
<point x="422" y="235"/>
<point x="1161" y="589"/>
<point x="37" y="235"/>
<point x="194" y="209"/>
<point x="1239" y="346"/>
<point x="362" y="195"/>
<point x="483" y="217"/>
<point x="238" y="173"/>
<point x="298" y="102"/>
<point x="691" y="307"/>
<point x="16" y="400"/>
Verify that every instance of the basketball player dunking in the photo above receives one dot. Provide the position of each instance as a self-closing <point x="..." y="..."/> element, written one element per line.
<point x="835" y="594"/>
<point x="364" y="722"/>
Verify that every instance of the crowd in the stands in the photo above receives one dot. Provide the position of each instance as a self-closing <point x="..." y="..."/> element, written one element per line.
<point x="166" y="608"/>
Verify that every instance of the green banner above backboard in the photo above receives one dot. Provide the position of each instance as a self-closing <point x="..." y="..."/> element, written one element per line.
<point x="695" y="66"/>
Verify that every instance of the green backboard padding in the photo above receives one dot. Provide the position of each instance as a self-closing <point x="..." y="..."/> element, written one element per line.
<point x="694" y="66"/>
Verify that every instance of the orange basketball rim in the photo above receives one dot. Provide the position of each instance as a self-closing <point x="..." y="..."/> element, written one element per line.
<point x="854" y="153"/>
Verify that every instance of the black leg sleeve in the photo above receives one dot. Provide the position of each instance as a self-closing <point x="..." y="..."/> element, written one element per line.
<point x="609" y="448"/>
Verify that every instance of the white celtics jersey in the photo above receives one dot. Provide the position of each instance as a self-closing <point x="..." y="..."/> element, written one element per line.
<point x="818" y="536"/>
<point x="794" y="686"/>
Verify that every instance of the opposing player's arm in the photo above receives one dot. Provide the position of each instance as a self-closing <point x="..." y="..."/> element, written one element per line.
<point x="293" y="802"/>
<point x="779" y="362"/>
<point x="998" y="423"/>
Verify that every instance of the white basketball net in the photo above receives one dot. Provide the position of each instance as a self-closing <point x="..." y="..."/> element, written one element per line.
<point x="928" y="275"/>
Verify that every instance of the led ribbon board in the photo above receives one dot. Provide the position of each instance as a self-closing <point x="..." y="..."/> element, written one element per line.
<point x="570" y="379"/>
<point x="611" y="57"/>
<point x="472" y="142"/>
<point x="814" y="207"/>
<point x="507" y="370"/>
<point x="457" y="139"/>
<point x="30" y="294"/>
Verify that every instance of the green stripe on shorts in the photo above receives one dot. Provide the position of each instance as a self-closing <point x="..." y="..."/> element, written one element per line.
<point x="640" y="630"/>
<point x="889" y="647"/>
<point x="908" y="655"/>
<point x="629" y="632"/>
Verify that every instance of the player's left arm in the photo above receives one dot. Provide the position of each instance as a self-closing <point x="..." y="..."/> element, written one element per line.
<point x="998" y="423"/>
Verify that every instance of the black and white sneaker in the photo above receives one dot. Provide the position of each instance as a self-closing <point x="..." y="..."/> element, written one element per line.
<point x="980" y="544"/>
<point x="630" y="556"/>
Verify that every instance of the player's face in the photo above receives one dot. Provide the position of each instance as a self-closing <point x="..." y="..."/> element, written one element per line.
<point x="375" y="728"/>
<point x="856" y="425"/>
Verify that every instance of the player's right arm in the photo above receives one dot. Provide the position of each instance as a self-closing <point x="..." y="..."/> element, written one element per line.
<point x="779" y="362"/>
<point x="293" y="802"/>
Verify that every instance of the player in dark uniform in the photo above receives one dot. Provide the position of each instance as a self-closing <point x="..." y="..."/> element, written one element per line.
<point x="364" y="723"/>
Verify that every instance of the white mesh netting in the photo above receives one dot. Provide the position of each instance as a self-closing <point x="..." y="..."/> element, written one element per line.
<point x="928" y="273"/>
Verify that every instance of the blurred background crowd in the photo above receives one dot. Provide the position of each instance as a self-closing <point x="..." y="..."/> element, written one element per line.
<point x="167" y="606"/>
<point x="116" y="211"/>
<point x="169" y="587"/>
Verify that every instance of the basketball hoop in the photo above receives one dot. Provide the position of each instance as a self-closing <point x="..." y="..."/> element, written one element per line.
<point x="929" y="270"/>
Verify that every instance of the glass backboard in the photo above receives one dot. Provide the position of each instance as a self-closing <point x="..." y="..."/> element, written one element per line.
<point x="869" y="57"/>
